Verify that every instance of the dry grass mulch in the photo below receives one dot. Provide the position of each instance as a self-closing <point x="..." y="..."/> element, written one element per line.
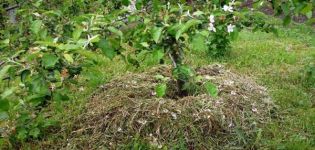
<point x="127" y="107"/>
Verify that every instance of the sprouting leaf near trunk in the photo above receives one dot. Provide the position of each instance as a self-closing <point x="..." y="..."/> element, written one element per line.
<point x="211" y="89"/>
<point x="183" y="72"/>
<point x="160" y="90"/>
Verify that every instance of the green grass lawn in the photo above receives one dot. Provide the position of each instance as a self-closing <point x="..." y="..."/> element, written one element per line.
<point x="278" y="63"/>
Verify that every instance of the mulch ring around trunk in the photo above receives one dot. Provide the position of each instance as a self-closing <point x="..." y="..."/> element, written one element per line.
<point x="126" y="111"/>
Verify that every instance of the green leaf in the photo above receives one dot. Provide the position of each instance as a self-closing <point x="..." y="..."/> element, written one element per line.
<point x="156" y="34"/>
<point x="287" y="20"/>
<point x="184" y="28"/>
<point x="49" y="60"/>
<point x="95" y="38"/>
<point x="198" y="13"/>
<point x="8" y="92"/>
<point x="77" y="33"/>
<point x="145" y="44"/>
<point x="36" y="26"/>
<point x="68" y="58"/>
<point x="234" y="34"/>
<point x="286" y="8"/>
<point x="115" y="31"/>
<point x="275" y="31"/>
<point x="156" y="5"/>
<point x="211" y="89"/>
<point x="39" y="86"/>
<point x="157" y="55"/>
<point x="172" y="29"/>
<point x="25" y="74"/>
<point x="36" y="99"/>
<point x="4" y="43"/>
<point x="132" y="60"/>
<point x="308" y="8"/>
<point x="22" y="134"/>
<point x="183" y="72"/>
<point x="34" y="133"/>
<point x="107" y="48"/>
<point x="69" y="47"/>
<point x="309" y="14"/>
<point x="4" y="105"/>
<point x="160" y="90"/>
<point x="125" y="2"/>
<point x="49" y="123"/>
<point x="4" y="71"/>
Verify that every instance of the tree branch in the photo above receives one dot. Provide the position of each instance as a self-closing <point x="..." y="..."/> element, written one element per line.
<point x="12" y="7"/>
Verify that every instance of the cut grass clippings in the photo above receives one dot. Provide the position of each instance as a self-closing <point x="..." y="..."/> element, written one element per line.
<point x="126" y="108"/>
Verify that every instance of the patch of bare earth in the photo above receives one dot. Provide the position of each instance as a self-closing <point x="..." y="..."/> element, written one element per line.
<point x="126" y="107"/>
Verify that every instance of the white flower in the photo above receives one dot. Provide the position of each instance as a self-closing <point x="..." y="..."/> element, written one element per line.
<point x="231" y="124"/>
<point x="168" y="5"/>
<point x="81" y="89"/>
<point x="174" y="115"/>
<point x="233" y="93"/>
<point x="207" y="110"/>
<point x="211" y="19"/>
<point x="52" y="86"/>
<point x="36" y="14"/>
<point x="234" y="18"/>
<point x="230" y="28"/>
<point x="188" y="14"/>
<point x="228" y="8"/>
<point x="211" y="27"/>
<point x="165" y="111"/>
<point x="261" y="3"/>
<point x="143" y="122"/>
<point x="180" y="8"/>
